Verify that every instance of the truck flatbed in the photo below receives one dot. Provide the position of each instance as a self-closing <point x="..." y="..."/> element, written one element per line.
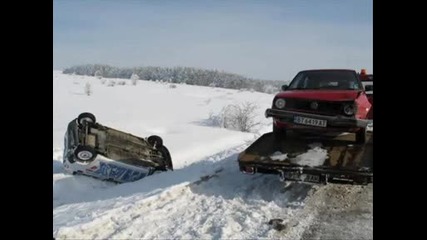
<point x="346" y="161"/>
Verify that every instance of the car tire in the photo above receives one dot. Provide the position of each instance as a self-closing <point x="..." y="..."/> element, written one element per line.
<point x="86" y="117"/>
<point x="279" y="133"/>
<point x="155" y="141"/>
<point x="84" y="154"/>
<point x="167" y="159"/>
<point x="361" y="136"/>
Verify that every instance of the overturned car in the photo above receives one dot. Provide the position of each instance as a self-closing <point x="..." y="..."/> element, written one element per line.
<point x="102" y="152"/>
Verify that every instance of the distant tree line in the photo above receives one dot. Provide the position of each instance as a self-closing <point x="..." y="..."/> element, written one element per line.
<point x="184" y="75"/>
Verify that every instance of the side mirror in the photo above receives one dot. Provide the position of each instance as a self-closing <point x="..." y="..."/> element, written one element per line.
<point x="285" y="87"/>
<point x="369" y="88"/>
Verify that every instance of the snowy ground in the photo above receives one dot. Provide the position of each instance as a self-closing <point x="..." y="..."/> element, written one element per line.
<point x="206" y="196"/>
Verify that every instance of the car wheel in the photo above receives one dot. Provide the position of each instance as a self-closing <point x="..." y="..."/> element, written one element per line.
<point x="84" y="154"/>
<point x="279" y="133"/>
<point x="361" y="136"/>
<point x="86" y="117"/>
<point x="155" y="141"/>
<point x="166" y="157"/>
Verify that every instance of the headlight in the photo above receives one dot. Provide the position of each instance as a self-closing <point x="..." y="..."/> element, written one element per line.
<point x="349" y="109"/>
<point x="280" y="103"/>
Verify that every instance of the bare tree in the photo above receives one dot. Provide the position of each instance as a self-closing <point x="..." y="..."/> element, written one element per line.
<point x="88" y="89"/>
<point x="245" y="116"/>
<point x="241" y="117"/>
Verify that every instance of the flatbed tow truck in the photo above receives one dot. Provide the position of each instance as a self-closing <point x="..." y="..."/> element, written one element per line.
<point x="324" y="101"/>
<point x="346" y="162"/>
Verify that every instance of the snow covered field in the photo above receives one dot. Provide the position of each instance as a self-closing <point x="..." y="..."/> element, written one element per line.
<point x="206" y="196"/>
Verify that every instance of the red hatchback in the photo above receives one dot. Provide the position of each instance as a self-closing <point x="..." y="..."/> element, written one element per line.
<point x="332" y="100"/>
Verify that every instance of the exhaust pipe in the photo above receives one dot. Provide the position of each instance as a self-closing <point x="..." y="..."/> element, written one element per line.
<point x="249" y="170"/>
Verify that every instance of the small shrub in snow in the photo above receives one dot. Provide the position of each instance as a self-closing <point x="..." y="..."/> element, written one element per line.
<point x="88" y="89"/>
<point x="270" y="89"/>
<point x="121" y="83"/>
<point x="172" y="86"/>
<point x="241" y="117"/>
<point x="103" y="80"/>
<point x="215" y="119"/>
<point x="111" y="83"/>
<point x="98" y="74"/>
<point x="246" y="90"/>
<point x="134" y="78"/>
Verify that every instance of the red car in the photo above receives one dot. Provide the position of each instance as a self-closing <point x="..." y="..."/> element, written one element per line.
<point x="368" y="83"/>
<point x="325" y="100"/>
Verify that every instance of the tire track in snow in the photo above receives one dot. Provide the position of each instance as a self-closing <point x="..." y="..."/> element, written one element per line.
<point x="343" y="212"/>
<point x="332" y="212"/>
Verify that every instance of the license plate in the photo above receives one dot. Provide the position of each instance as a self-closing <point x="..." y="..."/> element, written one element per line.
<point x="310" y="178"/>
<point x="302" y="177"/>
<point x="310" y="121"/>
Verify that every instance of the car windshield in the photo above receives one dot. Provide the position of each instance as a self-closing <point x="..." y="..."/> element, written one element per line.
<point x="333" y="80"/>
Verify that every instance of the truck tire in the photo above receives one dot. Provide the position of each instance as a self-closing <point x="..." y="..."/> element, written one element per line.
<point x="279" y="133"/>
<point x="84" y="154"/>
<point x="361" y="136"/>
<point x="86" y="117"/>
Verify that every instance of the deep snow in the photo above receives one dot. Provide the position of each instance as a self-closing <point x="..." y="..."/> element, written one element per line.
<point x="206" y="196"/>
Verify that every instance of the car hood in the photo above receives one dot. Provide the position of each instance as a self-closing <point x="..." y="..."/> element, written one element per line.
<point x="326" y="95"/>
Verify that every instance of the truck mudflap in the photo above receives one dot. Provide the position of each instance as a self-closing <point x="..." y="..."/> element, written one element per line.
<point x="345" y="162"/>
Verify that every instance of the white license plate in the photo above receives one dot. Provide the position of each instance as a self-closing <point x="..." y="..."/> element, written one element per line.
<point x="310" y="121"/>
<point x="310" y="178"/>
<point x="302" y="177"/>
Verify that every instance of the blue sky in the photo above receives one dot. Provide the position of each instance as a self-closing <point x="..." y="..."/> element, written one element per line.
<point x="260" y="39"/>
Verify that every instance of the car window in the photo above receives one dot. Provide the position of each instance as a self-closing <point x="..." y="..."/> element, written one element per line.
<point x="340" y="80"/>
